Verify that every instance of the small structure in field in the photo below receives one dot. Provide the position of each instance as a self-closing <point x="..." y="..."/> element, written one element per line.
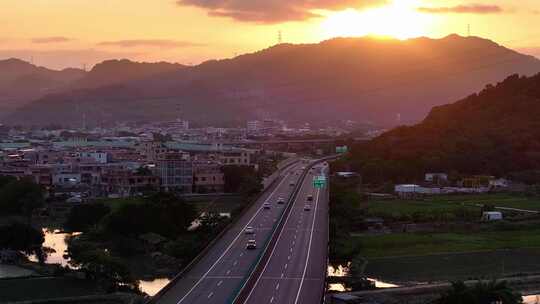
<point x="492" y="216"/>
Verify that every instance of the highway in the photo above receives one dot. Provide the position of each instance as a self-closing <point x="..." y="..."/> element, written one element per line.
<point x="219" y="274"/>
<point x="296" y="268"/>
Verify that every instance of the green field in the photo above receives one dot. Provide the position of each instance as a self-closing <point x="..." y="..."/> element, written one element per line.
<point x="446" y="206"/>
<point x="405" y="244"/>
<point x="455" y="266"/>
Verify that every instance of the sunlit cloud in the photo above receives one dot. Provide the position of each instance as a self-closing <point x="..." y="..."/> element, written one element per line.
<point x="276" y="11"/>
<point x="463" y="9"/>
<point x="55" y="39"/>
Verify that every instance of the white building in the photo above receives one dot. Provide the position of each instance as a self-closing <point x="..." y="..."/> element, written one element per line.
<point x="66" y="178"/>
<point x="499" y="183"/>
<point x="436" y="177"/>
<point x="98" y="157"/>
<point x="254" y="126"/>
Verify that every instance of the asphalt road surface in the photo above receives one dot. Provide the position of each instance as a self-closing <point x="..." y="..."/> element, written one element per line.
<point x="217" y="277"/>
<point x="296" y="269"/>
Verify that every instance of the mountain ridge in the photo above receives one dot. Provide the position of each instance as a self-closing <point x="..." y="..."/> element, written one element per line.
<point x="363" y="79"/>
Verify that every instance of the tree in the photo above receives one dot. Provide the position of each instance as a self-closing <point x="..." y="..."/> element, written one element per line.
<point x="111" y="273"/>
<point x="162" y="213"/>
<point x="22" y="237"/>
<point x="481" y="293"/>
<point x="83" y="217"/>
<point x="6" y="179"/>
<point x="21" y="197"/>
<point x="143" y="171"/>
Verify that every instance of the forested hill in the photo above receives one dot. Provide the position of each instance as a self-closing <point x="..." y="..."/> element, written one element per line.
<point x="496" y="131"/>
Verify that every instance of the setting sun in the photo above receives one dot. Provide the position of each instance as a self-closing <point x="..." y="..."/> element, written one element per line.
<point x="398" y="20"/>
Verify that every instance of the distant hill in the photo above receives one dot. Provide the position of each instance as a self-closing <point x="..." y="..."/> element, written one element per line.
<point x="112" y="72"/>
<point x="496" y="131"/>
<point x="385" y="82"/>
<point x="22" y="82"/>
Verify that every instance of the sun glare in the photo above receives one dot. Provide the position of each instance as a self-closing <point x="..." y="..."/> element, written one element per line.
<point x="398" y="20"/>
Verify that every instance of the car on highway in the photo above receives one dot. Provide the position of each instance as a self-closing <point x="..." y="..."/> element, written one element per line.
<point x="292" y="184"/>
<point x="251" y="244"/>
<point x="310" y="198"/>
<point x="307" y="207"/>
<point x="281" y="201"/>
<point x="249" y="230"/>
<point x="266" y="206"/>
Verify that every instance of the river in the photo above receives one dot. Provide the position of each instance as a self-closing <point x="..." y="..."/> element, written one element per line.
<point x="56" y="240"/>
<point x="342" y="271"/>
<point x="534" y="299"/>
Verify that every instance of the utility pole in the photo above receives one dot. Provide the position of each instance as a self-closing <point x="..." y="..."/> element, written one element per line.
<point x="469" y="30"/>
<point x="280" y="37"/>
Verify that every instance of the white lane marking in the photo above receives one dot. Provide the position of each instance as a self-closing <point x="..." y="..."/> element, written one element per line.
<point x="277" y="286"/>
<point x="291" y="249"/>
<point x="274" y="249"/>
<point x="272" y="300"/>
<point x="282" y="275"/>
<point x="219" y="283"/>
<point x="228" y="272"/>
<point x="210" y="295"/>
<point x="286" y="265"/>
<point x="231" y="245"/>
<point x="241" y="254"/>
<point x="288" y="257"/>
<point x="235" y="263"/>
<point x="309" y="247"/>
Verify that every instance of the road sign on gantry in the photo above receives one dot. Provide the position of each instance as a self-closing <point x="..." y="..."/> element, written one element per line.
<point x="319" y="181"/>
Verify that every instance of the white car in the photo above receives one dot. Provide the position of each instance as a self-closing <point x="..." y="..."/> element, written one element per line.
<point x="266" y="206"/>
<point x="281" y="201"/>
<point x="310" y="198"/>
<point x="251" y="244"/>
<point x="249" y="230"/>
<point x="307" y="207"/>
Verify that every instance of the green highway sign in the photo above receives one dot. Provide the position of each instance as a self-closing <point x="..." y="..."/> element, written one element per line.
<point x="341" y="149"/>
<point x="319" y="181"/>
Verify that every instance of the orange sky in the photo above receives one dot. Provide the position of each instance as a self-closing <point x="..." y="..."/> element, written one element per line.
<point x="62" y="33"/>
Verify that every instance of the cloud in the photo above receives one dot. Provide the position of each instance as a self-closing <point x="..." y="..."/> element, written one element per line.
<point x="55" y="39"/>
<point x="463" y="9"/>
<point x="161" y="43"/>
<point x="275" y="11"/>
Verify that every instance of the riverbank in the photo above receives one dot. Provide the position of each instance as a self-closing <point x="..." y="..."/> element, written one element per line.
<point x="60" y="290"/>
